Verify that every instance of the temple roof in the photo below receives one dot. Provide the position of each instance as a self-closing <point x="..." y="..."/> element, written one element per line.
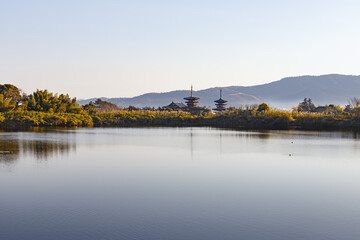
<point x="176" y="105"/>
<point x="220" y="100"/>
<point x="191" y="98"/>
<point x="219" y="109"/>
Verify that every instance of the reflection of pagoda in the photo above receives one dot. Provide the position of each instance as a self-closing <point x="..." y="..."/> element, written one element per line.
<point x="220" y="103"/>
<point x="191" y="101"/>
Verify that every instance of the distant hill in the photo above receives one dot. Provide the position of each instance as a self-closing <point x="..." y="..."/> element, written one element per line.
<point x="285" y="93"/>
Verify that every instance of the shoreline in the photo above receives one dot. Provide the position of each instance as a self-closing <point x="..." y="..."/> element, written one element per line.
<point x="238" y="119"/>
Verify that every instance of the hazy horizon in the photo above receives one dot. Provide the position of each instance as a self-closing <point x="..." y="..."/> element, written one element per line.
<point x="128" y="48"/>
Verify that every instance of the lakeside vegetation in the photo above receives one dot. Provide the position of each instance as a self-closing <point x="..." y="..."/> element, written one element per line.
<point x="46" y="109"/>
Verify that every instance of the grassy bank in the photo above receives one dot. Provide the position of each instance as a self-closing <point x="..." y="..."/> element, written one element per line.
<point x="252" y="119"/>
<point x="238" y="118"/>
<point x="26" y="119"/>
<point x="319" y="121"/>
<point x="147" y="118"/>
<point x="232" y="119"/>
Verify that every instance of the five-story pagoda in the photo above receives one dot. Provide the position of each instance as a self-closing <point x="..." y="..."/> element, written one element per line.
<point x="220" y="103"/>
<point x="191" y="101"/>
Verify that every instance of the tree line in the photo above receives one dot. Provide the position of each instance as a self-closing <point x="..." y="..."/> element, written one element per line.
<point x="44" y="108"/>
<point x="13" y="99"/>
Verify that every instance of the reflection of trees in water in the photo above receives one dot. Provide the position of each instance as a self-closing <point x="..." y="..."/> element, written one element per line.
<point x="43" y="150"/>
<point x="12" y="148"/>
<point x="9" y="151"/>
<point x="265" y="134"/>
<point x="355" y="135"/>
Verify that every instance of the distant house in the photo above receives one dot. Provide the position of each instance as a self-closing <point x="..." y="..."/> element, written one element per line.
<point x="175" y="105"/>
<point x="331" y="108"/>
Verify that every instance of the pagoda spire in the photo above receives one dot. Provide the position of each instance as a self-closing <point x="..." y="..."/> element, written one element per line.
<point x="191" y="90"/>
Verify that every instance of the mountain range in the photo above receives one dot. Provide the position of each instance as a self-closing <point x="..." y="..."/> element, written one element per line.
<point x="288" y="92"/>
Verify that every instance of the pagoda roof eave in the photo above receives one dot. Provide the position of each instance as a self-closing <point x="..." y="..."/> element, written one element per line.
<point x="191" y="98"/>
<point x="220" y="101"/>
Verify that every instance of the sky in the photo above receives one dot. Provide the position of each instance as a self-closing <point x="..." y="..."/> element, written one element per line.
<point x="124" y="48"/>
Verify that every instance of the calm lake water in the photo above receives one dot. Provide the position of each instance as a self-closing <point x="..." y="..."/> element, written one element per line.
<point x="179" y="183"/>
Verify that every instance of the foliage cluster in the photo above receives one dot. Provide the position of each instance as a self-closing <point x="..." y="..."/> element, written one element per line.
<point x="306" y="106"/>
<point x="44" y="101"/>
<point x="40" y="101"/>
<point x="101" y="106"/>
<point x="26" y="119"/>
<point x="10" y="92"/>
<point x="6" y="105"/>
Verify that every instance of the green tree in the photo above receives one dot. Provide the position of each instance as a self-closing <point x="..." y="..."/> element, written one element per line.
<point x="132" y="108"/>
<point x="90" y="108"/>
<point x="306" y="106"/>
<point x="263" y="107"/>
<point x="10" y="91"/>
<point x="6" y="105"/>
<point x="44" y="101"/>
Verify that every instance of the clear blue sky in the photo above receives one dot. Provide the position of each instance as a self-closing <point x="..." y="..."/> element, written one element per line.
<point x="124" y="48"/>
